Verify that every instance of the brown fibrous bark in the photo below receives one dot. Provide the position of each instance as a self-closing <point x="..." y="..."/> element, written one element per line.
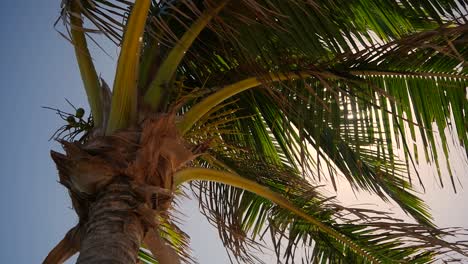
<point x="114" y="230"/>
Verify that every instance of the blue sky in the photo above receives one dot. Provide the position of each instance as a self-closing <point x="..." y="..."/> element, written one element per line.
<point x="37" y="69"/>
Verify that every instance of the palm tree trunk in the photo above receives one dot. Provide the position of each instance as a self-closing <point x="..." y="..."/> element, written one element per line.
<point x="114" y="232"/>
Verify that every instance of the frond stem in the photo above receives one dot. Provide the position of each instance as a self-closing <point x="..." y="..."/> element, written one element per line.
<point x="125" y="93"/>
<point x="169" y="65"/>
<point x="85" y="63"/>
<point x="203" y="107"/>
<point x="408" y="74"/>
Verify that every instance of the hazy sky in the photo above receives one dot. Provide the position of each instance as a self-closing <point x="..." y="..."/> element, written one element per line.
<point x="37" y="69"/>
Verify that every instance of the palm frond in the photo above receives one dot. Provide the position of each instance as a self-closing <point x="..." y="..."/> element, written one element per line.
<point x="106" y="17"/>
<point x="343" y="143"/>
<point x="385" y="239"/>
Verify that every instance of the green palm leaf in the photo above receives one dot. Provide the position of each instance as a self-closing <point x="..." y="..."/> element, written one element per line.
<point x="384" y="238"/>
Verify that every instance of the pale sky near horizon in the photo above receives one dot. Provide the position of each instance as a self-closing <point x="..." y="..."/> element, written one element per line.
<point x="37" y="69"/>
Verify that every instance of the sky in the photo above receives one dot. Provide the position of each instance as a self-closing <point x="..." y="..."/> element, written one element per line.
<point x="37" y="68"/>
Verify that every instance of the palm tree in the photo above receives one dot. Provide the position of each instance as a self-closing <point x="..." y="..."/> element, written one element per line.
<point x="256" y="102"/>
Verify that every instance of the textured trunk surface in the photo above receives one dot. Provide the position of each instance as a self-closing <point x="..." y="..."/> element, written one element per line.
<point x="114" y="231"/>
